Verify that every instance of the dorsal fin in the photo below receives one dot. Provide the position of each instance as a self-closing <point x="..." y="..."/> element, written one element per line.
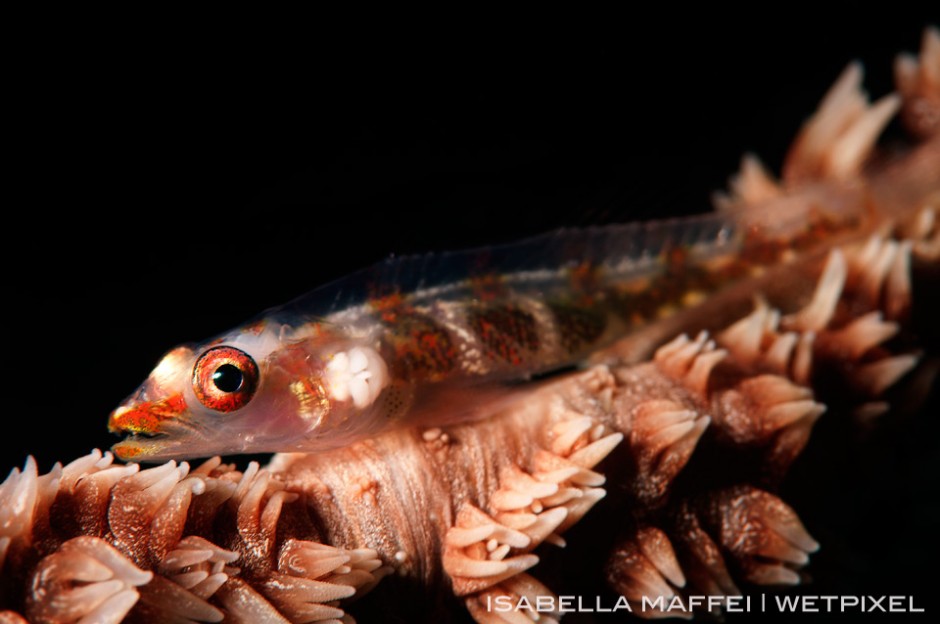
<point x="617" y="250"/>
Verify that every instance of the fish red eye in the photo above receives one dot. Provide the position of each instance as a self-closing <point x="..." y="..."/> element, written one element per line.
<point x="225" y="379"/>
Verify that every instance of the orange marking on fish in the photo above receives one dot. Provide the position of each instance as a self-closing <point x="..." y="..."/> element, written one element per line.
<point x="488" y="287"/>
<point x="388" y="306"/>
<point x="146" y="417"/>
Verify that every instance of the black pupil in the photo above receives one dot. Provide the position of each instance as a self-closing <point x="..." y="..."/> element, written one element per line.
<point x="227" y="378"/>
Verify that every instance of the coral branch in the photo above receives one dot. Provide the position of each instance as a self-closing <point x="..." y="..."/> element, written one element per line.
<point x="301" y="538"/>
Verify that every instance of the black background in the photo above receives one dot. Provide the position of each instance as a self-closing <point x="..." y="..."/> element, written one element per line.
<point x="169" y="185"/>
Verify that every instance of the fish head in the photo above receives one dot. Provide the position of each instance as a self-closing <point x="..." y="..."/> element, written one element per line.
<point x="252" y="392"/>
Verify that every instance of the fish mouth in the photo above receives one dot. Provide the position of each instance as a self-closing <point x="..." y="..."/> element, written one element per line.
<point x="135" y="448"/>
<point x="139" y="435"/>
<point x="145" y="446"/>
<point x="130" y="429"/>
<point x="152" y="430"/>
<point x="147" y="426"/>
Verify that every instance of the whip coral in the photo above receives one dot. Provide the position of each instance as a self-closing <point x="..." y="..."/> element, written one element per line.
<point x="668" y="451"/>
